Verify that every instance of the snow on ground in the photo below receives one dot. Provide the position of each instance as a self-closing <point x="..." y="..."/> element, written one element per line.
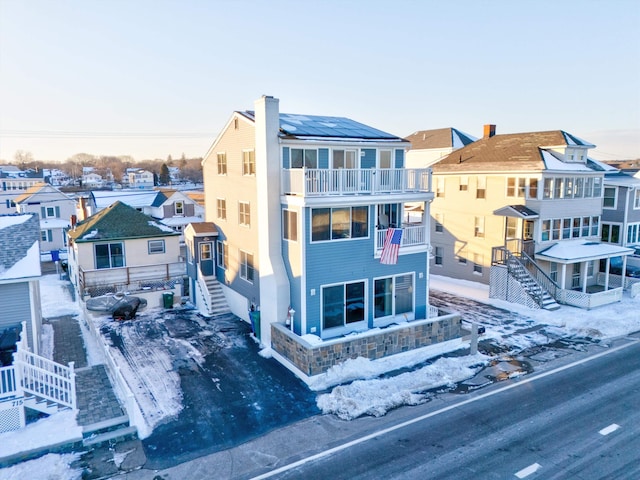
<point x="159" y="392"/>
<point x="49" y="467"/>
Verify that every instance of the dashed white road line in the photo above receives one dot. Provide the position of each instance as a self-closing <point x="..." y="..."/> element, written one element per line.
<point x="611" y="428"/>
<point x="525" y="472"/>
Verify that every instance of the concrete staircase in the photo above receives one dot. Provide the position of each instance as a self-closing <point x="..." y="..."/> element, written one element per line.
<point x="215" y="301"/>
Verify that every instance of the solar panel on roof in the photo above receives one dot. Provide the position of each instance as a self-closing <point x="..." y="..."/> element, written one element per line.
<point x="322" y="126"/>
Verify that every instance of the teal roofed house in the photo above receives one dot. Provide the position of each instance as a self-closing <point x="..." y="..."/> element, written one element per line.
<point x="120" y="249"/>
<point x="302" y="205"/>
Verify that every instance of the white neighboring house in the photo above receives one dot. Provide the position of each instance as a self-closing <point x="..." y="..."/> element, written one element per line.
<point x="139" y="178"/>
<point x="178" y="211"/>
<point x="92" y="180"/>
<point x="429" y="146"/>
<point x="14" y="182"/>
<point x="54" y="209"/>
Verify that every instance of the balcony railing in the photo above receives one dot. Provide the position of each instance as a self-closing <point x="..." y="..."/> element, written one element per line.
<point x="411" y="235"/>
<point x="345" y="181"/>
<point x="135" y="278"/>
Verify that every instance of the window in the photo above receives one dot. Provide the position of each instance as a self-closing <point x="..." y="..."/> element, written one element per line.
<point x="522" y="187"/>
<point x="610" y="233"/>
<point x="244" y="210"/>
<point x="528" y="230"/>
<point x="343" y="304"/>
<point x="339" y="223"/>
<point x="479" y="226"/>
<point x="290" y="225"/>
<point x="548" y="188"/>
<point x="481" y="189"/>
<point x="464" y="184"/>
<point x="249" y="162"/>
<point x="511" y="187"/>
<point x="222" y="257"/>
<point x="221" y="207"/>
<point x="553" y="271"/>
<point x="438" y="225"/>
<point x="302" y="157"/>
<point x="546" y="230"/>
<point x="579" y="188"/>
<point x="557" y="187"/>
<point x="51" y="212"/>
<point x="205" y="251"/>
<point x="477" y="263"/>
<point x="566" y="228"/>
<point x="155" y="246"/>
<point x="179" y="208"/>
<point x="568" y="187"/>
<point x="636" y="198"/>
<point x="440" y="187"/>
<point x="246" y="266"/>
<point x="385" y="158"/>
<point x="609" y="200"/>
<point x="633" y="233"/>
<point x="345" y="159"/>
<point x="46" y="235"/>
<point x="439" y="251"/>
<point x="533" y="188"/>
<point x="222" y="163"/>
<point x="109" y="255"/>
<point x="597" y="187"/>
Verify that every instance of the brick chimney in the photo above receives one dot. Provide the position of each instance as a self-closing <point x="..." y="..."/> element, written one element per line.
<point x="489" y="131"/>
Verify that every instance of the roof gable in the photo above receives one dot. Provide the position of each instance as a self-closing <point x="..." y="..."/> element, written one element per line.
<point x="118" y="221"/>
<point x="439" y="138"/>
<point x="20" y="252"/>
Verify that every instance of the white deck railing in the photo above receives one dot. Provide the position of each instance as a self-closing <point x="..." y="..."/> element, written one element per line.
<point x="131" y="278"/>
<point x="411" y="235"/>
<point x="345" y="181"/>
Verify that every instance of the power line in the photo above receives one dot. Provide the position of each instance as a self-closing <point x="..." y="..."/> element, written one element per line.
<point x="78" y="134"/>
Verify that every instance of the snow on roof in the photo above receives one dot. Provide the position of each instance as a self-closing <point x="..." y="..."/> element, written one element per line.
<point x="10" y="220"/>
<point x="28" y="266"/>
<point x="572" y="250"/>
<point x="457" y="140"/>
<point x="622" y="180"/>
<point x="133" y="198"/>
<point x="175" y="221"/>
<point x="162" y="227"/>
<point x="53" y="223"/>
<point x="553" y="163"/>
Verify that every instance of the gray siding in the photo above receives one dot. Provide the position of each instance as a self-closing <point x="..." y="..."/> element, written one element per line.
<point x="16" y="306"/>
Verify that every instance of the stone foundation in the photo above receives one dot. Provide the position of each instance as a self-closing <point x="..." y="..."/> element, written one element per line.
<point x="314" y="359"/>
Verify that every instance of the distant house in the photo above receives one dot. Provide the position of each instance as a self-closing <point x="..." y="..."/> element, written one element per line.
<point x="140" y="178"/>
<point x="14" y="182"/>
<point x="92" y="180"/>
<point x="523" y="213"/>
<point x="55" y="210"/>
<point x="19" y="280"/>
<point x="429" y="146"/>
<point x="121" y="249"/>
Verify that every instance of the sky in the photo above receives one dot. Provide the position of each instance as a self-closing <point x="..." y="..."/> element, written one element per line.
<point x="348" y="390"/>
<point x="152" y="78"/>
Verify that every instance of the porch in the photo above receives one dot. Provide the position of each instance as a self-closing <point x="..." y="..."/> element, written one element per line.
<point x="345" y="181"/>
<point x="131" y="279"/>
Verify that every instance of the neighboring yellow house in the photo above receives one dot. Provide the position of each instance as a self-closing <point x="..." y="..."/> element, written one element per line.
<point x="121" y="249"/>
<point x="524" y="207"/>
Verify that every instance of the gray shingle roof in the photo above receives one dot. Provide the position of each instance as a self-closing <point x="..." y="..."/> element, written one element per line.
<point x="17" y="238"/>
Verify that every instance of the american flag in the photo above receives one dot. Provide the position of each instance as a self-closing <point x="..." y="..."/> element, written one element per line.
<point x="391" y="246"/>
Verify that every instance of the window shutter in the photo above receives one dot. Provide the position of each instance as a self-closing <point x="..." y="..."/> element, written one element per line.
<point x="57" y="212"/>
<point x="43" y="212"/>
<point x="49" y="236"/>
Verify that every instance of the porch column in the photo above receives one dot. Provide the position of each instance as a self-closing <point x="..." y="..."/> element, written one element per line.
<point x="426" y="216"/>
<point x="563" y="276"/>
<point x="583" y="274"/>
<point x="606" y="275"/>
<point x="624" y="271"/>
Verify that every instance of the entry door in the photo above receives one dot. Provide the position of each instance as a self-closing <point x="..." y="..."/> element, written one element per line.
<point x="206" y="258"/>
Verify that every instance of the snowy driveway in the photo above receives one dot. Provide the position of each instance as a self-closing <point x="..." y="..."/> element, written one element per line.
<point x="201" y="383"/>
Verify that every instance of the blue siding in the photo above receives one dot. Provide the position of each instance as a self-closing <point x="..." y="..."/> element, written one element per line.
<point x="369" y="158"/>
<point x="286" y="162"/>
<point x="399" y="158"/>
<point x="348" y="260"/>
<point x="323" y="158"/>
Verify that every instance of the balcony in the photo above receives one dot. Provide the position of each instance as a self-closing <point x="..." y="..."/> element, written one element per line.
<point x="412" y="235"/>
<point x="371" y="181"/>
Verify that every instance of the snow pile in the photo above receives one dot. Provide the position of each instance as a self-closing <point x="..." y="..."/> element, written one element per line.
<point x="377" y="397"/>
<point x="51" y="430"/>
<point x="55" y="297"/>
<point x="49" y="467"/>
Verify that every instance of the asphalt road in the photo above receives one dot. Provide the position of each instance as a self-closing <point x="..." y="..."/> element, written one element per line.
<point x="580" y="423"/>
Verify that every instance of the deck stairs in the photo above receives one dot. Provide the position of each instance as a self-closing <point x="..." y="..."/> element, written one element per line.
<point x="529" y="283"/>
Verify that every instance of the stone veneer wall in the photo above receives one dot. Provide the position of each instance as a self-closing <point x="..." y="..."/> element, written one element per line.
<point x="313" y="359"/>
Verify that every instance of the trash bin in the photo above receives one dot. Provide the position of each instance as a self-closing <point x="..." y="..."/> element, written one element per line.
<point x="167" y="299"/>
<point x="255" y="323"/>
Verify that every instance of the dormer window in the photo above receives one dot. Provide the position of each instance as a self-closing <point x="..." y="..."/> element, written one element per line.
<point x="179" y="208"/>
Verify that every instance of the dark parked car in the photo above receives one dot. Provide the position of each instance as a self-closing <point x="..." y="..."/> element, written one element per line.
<point x="615" y="268"/>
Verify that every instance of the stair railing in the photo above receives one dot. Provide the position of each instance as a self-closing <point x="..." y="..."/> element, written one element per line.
<point x="204" y="290"/>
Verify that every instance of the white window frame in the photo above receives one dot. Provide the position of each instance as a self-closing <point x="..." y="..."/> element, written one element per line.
<point x="155" y="247"/>
<point x="244" y="214"/>
<point x="246" y="266"/>
<point x="178" y="207"/>
<point x="636" y="199"/>
<point x="290" y="225"/>
<point x="221" y="208"/>
<point x="248" y="162"/>
<point x="605" y="197"/>
<point x="222" y="255"/>
<point x="221" y="162"/>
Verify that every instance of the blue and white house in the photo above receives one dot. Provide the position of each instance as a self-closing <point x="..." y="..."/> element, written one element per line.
<point x="302" y="205"/>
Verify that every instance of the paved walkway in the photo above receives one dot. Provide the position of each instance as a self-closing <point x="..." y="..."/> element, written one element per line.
<point x="97" y="401"/>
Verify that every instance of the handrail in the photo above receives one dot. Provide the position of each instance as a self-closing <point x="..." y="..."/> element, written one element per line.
<point x="202" y="285"/>
<point x="501" y="255"/>
<point x="541" y="277"/>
